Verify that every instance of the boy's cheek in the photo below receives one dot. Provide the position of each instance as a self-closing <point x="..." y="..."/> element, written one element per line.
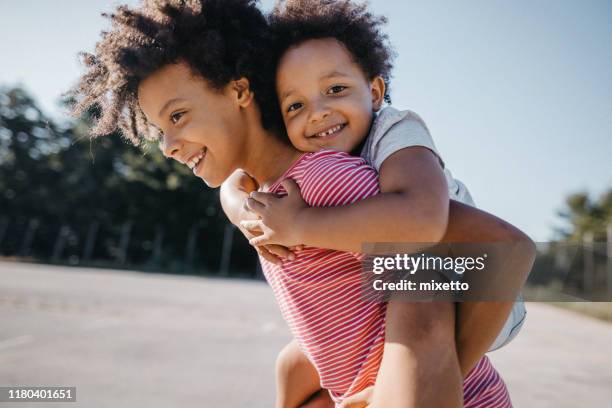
<point x="303" y="143"/>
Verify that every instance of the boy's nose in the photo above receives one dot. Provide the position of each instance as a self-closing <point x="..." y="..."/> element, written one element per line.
<point x="319" y="113"/>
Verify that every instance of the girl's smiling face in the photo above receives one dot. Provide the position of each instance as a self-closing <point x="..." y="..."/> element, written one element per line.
<point x="325" y="98"/>
<point x="200" y="127"/>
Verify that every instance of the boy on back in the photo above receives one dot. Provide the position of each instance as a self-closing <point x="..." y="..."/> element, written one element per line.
<point x="332" y="75"/>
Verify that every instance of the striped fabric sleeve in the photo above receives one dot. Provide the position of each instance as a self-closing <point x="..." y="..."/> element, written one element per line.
<point x="334" y="178"/>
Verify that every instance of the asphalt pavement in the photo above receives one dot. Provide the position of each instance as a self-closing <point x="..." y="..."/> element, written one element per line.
<point x="131" y="339"/>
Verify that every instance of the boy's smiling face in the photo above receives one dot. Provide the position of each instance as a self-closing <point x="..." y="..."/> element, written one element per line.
<point x="200" y="127"/>
<point x="325" y="97"/>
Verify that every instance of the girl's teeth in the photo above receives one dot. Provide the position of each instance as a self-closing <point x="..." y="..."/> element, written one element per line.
<point x="194" y="161"/>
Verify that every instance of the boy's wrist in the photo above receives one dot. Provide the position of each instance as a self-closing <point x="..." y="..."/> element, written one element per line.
<point x="300" y="225"/>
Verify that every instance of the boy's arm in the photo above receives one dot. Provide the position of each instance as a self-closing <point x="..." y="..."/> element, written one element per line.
<point x="409" y="177"/>
<point x="412" y="208"/>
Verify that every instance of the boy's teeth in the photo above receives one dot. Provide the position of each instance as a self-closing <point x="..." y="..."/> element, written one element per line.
<point x="330" y="131"/>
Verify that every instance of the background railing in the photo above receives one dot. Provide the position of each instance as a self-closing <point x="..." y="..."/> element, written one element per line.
<point x="128" y="245"/>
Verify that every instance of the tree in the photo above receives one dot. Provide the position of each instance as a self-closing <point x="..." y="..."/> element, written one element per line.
<point x="583" y="214"/>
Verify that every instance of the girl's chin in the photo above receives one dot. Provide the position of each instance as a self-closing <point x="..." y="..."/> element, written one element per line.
<point x="210" y="180"/>
<point x="201" y="174"/>
<point x="209" y="184"/>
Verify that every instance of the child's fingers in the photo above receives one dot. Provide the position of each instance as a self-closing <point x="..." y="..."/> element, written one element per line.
<point x="281" y="251"/>
<point x="254" y="205"/>
<point x="245" y="206"/>
<point x="294" y="248"/>
<point x="260" y="240"/>
<point x="268" y="256"/>
<point x="261" y="197"/>
<point x="252" y="225"/>
<point x="290" y="186"/>
<point x="359" y="400"/>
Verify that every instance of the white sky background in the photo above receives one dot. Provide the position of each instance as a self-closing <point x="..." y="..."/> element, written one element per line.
<point x="517" y="95"/>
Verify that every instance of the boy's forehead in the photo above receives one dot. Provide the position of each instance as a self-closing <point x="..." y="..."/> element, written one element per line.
<point x="316" y="59"/>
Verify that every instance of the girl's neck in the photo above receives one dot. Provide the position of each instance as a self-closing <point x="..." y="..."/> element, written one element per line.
<point x="269" y="157"/>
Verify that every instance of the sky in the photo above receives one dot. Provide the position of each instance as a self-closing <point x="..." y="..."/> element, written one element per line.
<point x="517" y="95"/>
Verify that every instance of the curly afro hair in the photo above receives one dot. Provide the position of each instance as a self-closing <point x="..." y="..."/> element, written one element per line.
<point x="296" y="21"/>
<point x="221" y="40"/>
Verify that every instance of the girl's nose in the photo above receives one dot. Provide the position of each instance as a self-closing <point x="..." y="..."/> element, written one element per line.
<point x="170" y="147"/>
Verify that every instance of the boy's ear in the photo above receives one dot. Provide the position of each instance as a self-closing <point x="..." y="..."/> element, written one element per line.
<point x="242" y="91"/>
<point x="377" y="88"/>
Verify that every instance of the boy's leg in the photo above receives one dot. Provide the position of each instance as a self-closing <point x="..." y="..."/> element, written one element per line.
<point x="480" y="322"/>
<point x="513" y="325"/>
<point x="477" y="327"/>
<point x="297" y="380"/>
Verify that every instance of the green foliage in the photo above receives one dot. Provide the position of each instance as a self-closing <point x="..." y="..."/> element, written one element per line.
<point x="584" y="214"/>
<point x="577" y="263"/>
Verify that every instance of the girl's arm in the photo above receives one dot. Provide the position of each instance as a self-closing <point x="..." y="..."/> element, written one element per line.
<point x="233" y="193"/>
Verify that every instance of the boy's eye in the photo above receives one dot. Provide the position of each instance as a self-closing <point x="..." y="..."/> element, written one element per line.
<point x="294" y="107"/>
<point x="176" y="116"/>
<point x="336" y="89"/>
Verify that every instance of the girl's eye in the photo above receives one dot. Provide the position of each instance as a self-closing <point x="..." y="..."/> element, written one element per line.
<point x="336" y="89"/>
<point x="294" y="107"/>
<point x="176" y="116"/>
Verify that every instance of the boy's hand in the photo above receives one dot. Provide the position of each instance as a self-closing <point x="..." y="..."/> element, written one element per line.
<point x="271" y="253"/>
<point x="278" y="216"/>
<point x="359" y="400"/>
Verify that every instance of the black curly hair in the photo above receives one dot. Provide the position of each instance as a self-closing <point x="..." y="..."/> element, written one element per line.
<point x="221" y="40"/>
<point x="295" y="21"/>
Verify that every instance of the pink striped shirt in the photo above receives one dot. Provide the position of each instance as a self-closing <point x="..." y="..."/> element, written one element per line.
<point x="320" y="292"/>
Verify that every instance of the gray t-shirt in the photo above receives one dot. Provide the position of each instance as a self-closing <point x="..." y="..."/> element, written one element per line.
<point x="394" y="130"/>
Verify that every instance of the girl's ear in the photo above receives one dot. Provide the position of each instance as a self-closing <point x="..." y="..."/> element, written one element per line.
<point x="242" y="92"/>
<point x="377" y="88"/>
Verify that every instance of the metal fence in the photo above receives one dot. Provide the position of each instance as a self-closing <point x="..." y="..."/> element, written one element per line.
<point x="204" y="247"/>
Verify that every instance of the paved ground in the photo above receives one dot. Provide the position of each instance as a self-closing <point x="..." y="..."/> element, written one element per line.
<point x="128" y="339"/>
